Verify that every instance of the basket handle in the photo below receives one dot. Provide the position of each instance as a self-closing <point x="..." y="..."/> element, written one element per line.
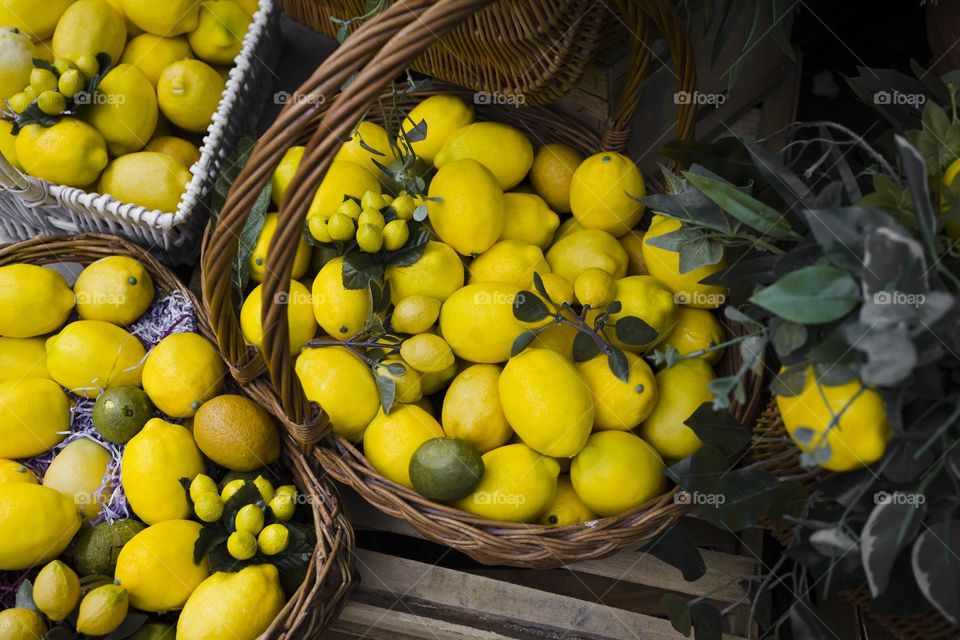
<point x="379" y="50"/>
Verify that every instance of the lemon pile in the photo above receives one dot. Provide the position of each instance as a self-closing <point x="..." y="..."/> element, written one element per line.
<point x="451" y="219"/>
<point x="163" y="430"/>
<point x="115" y="96"/>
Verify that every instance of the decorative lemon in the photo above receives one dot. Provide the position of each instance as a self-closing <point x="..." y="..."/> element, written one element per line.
<point x="343" y="178"/>
<point x="36" y="299"/>
<point x="16" y="53"/>
<point x="557" y="337"/>
<point x="552" y="173"/>
<point x="258" y="257"/>
<point x="284" y="173"/>
<point x="547" y="402"/>
<point x="413" y="314"/>
<point x="181" y="373"/>
<point x="844" y="426"/>
<point x="472" y="410"/>
<point x="239" y="605"/>
<point x="88" y="356"/>
<point x="102" y="610"/>
<point x="437" y="274"/>
<point x="153" y="180"/>
<point x="218" y="38"/>
<point x="89" y="27"/>
<point x="441" y="115"/>
<point x="477" y="322"/>
<point x="127" y="115"/>
<point x="575" y="252"/>
<point x="518" y="485"/>
<point x="56" y="590"/>
<point x="115" y="289"/>
<point x="188" y="93"/>
<point x="466" y="206"/>
<point x="528" y="219"/>
<point x="237" y="433"/>
<point x="49" y="516"/>
<point x="71" y="152"/>
<point x="683" y="388"/>
<point x="368" y="143"/>
<point x="153" y="463"/>
<point x="644" y="298"/>
<point x="664" y="265"/>
<point x="77" y="471"/>
<point x="594" y="287"/>
<point x="620" y="405"/>
<point x="502" y="149"/>
<point x="8" y="141"/>
<point x="391" y="440"/>
<point x="13" y="471"/>
<point x="21" y="624"/>
<point x="567" y="507"/>
<point x="603" y="193"/>
<point x="34" y="415"/>
<point x="696" y="330"/>
<point x="340" y="312"/>
<point x="170" y="18"/>
<point x="510" y="261"/>
<point x="300" y="319"/>
<point x="179" y="149"/>
<point x="616" y="471"/>
<point x="632" y="243"/>
<point x="343" y="385"/>
<point x="427" y="353"/>
<point x="156" y="566"/>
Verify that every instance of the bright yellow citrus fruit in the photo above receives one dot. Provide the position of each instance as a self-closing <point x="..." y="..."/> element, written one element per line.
<point x="620" y="405"/>
<point x="22" y="624"/>
<point x="13" y="471"/>
<point x="341" y="312"/>
<point x="594" y="287"/>
<point x="153" y="180"/>
<point x="115" y="289"/>
<point x="603" y="193"/>
<point x="477" y="322"/>
<point x="683" y="388"/>
<point x="37" y="20"/>
<point x="391" y="440"/>
<point x="518" y="485"/>
<point x="127" y="115"/>
<point x="664" y="265"/>
<point x="170" y="18"/>
<point x="16" y="52"/>
<point x="413" y="314"/>
<point x="90" y="355"/>
<point x="696" y="330"/>
<point x="442" y="115"/>
<point x="528" y="219"/>
<point x="181" y="373"/>
<point x="179" y="149"/>
<point x="567" y="507"/>
<point x="237" y="433"/>
<point x="509" y="261"/>
<point x="437" y="274"/>
<point x="302" y="325"/>
<point x="71" y="152"/>
<point x="343" y="178"/>
<point x="368" y="135"/>
<point x="103" y="609"/>
<point x="580" y="250"/>
<point x="23" y="358"/>
<point x="615" y="472"/>
<point x="472" y="410"/>
<point x="501" y="148"/>
<point x="258" y="257"/>
<point x="89" y="27"/>
<point x="466" y="206"/>
<point x="49" y="516"/>
<point x="240" y="605"/>
<point x="56" y="590"/>
<point x="34" y="416"/>
<point x="342" y="385"/>
<point x="77" y="471"/>
<point x="552" y="173"/>
<point x="218" y="38"/>
<point x="427" y="353"/>
<point x="37" y="300"/>
<point x="645" y="298"/>
<point x="188" y="93"/>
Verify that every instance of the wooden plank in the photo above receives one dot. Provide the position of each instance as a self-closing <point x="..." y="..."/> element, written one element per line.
<point x="492" y="603"/>
<point x="360" y="620"/>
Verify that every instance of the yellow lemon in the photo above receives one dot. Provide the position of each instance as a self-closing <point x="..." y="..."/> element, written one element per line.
<point x="239" y="606"/>
<point x="16" y="54"/>
<point x="22" y="624"/>
<point x="567" y="507"/>
<point x="115" y="289"/>
<point x="391" y="440"/>
<point x="258" y="257"/>
<point x="132" y="29"/>
<point x="188" y="93"/>
<point x="152" y="180"/>
<point x="845" y="426"/>
<point x="284" y="173"/>
<point x="341" y="312"/>
<point x="127" y="115"/>
<point x="696" y="330"/>
<point x="664" y="265"/>
<point x="413" y="314"/>
<point x="472" y="410"/>
<point x="572" y="254"/>
<point x="177" y="148"/>
<point x="620" y="405"/>
<point x="949" y="175"/>
<point x="632" y="243"/>
<point x="368" y="135"/>
<point x="36" y="300"/>
<point x="56" y="590"/>
<point x="558" y="288"/>
<point x="466" y="206"/>
<point x="603" y="191"/>
<point x="342" y="385"/>
<point x="528" y="219"/>
<point x="427" y="353"/>
<point x="547" y="402"/>
<point x="568" y="226"/>
<point x="49" y="516"/>
<point x="71" y="152"/>
<point x="237" y="433"/>
<point x="615" y="472"/>
<point x="152" y="54"/>
<point x="518" y="485"/>
<point x="156" y="566"/>
<point x="181" y="373"/>
<point x="431" y="383"/>
<point x="552" y="173"/>
<point x="89" y="27"/>
<point x="557" y="337"/>
<point x="91" y="355"/>
<point x="13" y="471"/>
<point x="442" y="115"/>
<point x="477" y="322"/>
<point x="153" y="463"/>
<point x="8" y="143"/>
<point x="301" y="323"/>
<point x="501" y="148"/>
<point x="509" y="261"/>
<point x="170" y="18"/>
<point x="594" y="287"/>
<point x="683" y="388"/>
<point x="102" y="610"/>
<point x="407" y="384"/>
<point x="218" y="38"/>
<point x="34" y="415"/>
<point x="645" y="298"/>
<point x="30" y="17"/>
<point x="343" y="178"/>
<point x="437" y="274"/>
<point x="77" y="471"/>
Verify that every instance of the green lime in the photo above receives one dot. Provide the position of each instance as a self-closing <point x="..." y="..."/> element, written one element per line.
<point x="446" y="469"/>
<point x="120" y="413"/>
<point x="97" y="548"/>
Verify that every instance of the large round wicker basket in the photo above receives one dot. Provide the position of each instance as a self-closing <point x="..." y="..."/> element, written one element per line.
<point x="378" y="52"/>
<point x="330" y="577"/>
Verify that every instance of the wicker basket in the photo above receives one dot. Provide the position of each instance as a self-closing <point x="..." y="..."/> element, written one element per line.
<point x="379" y="51"/>
<point x="30" y="206"/>
<point x="330" y="577"/>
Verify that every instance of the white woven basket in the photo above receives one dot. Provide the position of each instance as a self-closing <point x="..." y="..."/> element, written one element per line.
<point x="30" y="206"/>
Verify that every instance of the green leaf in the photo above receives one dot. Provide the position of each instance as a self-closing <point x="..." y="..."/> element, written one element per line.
<point x="360" y="270"/>
<point x="789" y="383"/>
<point x="619" y="366"/>
<point x="522" y="341"/>
<point x="937" y="567"/>
<point x="387" y="389"/>
<point x="412" y="251"/>
<point x="420" y="213"/>
<point x="248" y="240"/>
<point x="584" y="347"/>
<point x="40" y="63"/>
<point x="701" y="471"/>
<point x="676" y="547"/>
<point x="209" y="538"/>
<point x="790" y="502"/>
<point x="789" y="337"/>
<point x="33" y="115"/>
<point x="743" y="207"/>
<point x="678" y="612"/>
<point x="634" y="331"/>
<point x="527" y="307"/>
<point x="744" y="496"/>
<point x="814" y="295"/>
<point x="24" y="598"/>
<point x="719" y="428"/>
<point x="247" y="494"/>
<point x="707" y="621"/>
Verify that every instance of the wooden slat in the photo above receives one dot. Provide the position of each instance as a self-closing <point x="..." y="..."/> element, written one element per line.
<point x="360" y="620"/>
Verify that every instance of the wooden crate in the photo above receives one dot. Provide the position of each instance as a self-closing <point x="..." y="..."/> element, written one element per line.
<point x="411" y="588"/>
